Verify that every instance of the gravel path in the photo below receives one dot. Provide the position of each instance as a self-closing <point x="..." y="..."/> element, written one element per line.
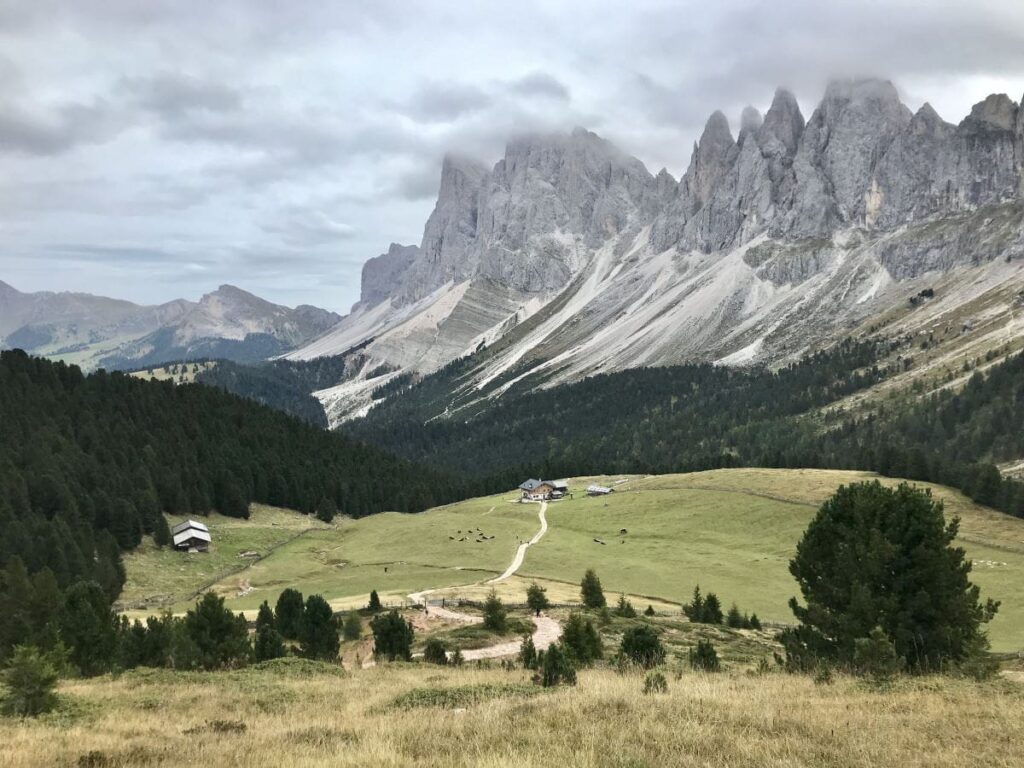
<point x="546" y="630"/>
<point x="517" y="561"/>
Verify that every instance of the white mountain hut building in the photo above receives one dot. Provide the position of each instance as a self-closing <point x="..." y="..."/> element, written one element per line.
<point x="543" y="490"/>
<point x="191" y="536"/>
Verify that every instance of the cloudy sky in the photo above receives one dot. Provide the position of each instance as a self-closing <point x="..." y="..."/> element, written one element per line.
<point x="153" y="149"/>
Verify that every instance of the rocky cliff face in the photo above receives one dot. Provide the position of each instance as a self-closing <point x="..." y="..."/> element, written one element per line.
<point x="776" y="238"/>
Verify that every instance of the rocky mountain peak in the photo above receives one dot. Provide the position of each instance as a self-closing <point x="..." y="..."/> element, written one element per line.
<point x="713" y="155"/>
<point x="997" y="112"/>
<point x="750" y="122"/>
<point x="783" y="122"/>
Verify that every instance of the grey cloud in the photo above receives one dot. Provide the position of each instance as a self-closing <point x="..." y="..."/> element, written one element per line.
<point x="300" y="227"/>
<point x="173" y="95"/>
<point x="436" y="102"/>
<point x="541" y="84"/>
<point x="57" y="131"/>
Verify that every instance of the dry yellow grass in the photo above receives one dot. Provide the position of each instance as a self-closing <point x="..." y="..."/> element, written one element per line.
<point x="734" y="719"/>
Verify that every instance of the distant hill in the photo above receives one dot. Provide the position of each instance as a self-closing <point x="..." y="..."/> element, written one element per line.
<point x="98" y="332"/>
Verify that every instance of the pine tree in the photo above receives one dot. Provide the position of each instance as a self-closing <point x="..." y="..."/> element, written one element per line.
<point x="581" y="641"/>
<point x="326" y="509"/>
<point x="319" y="630"/>
<point x="221" y="638"/>
<point x="161" y="531"/>
<point x="590" y="591"/>
<point x="556" y="668"/>
<point x="495" y="614"/>
<point x="734" y="619"/>
<point x="649" y="610"/>
<point x="392" y="637"/>
<point x="712" y="610"/>
<point x="435" y="652"/>
<point x="268" y="643"/>
<point x="625" y="608"/>
<point x="288" y="611"/>
<point x="537" y="598"/>
<point x="704" y="657"/>
<point x="528" y="653"/>
<point x="884" y="557"/>
<point x="374" y="604"/>
<point x="30" y="678"/>
<point x="694" y="609"/>
<point x="642" y="646"/>
<point x="89" y="628"/>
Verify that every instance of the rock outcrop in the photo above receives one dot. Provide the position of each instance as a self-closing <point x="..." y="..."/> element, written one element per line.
<point x="774" y="238"/>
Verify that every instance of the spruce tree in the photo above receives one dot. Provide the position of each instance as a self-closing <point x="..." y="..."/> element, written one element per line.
<point x="30" y="678"/>
<point x="581" y="640"/>
<point x="435" y="652"/>
<point x="89" y="628"/>
<point x="374" y="604"/>
<point x="624" y="608"/>
<point x="557" y="667"/>
<point x="590" y="591"/>
<point x="528" y="652"/>
<point x="734" y="619"/>
<point x="326" y="509"/>
<point x="703" y="657"/>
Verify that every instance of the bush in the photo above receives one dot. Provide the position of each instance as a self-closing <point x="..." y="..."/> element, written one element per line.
<point x="883" y="557"/>
<point x="30" y="678"/>
<point x="655" y="682"/>
<point x="435" y="652"/>
<point x="642" y="646"/>
<point x="457" y="659"/>
<point x="581" y="641"/>
<point x="352" y="629"/>
<point x="704" y="610"/>
<point x="876" y="657"/>
<point x="556" y="667"/>
<point x="495" y="615"/>
<point x="624" y="608"/>
<point x="591" y="592"/>
<point x="704" y="657"/>
<point x="392" y="637"/>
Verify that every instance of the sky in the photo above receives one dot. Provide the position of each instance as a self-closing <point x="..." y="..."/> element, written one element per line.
<point x="155" y="149"/>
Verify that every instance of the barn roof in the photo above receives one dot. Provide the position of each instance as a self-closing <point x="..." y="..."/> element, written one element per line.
<point x="191" y="533"/>
<point x="190" y="524"/>
<point x="531" y="485"/>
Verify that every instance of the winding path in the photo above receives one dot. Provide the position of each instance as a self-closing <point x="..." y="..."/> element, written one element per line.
<point x="546" y="630"/>
<point x="517" y="561"/>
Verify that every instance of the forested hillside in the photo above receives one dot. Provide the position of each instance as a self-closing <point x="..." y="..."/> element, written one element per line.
<point x="88" y="463"/>
<point x="694" y="417"/>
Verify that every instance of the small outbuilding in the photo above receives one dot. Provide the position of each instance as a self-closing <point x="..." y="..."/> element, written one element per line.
<point x="191" y="536"/>
<point x="599" y="490"/>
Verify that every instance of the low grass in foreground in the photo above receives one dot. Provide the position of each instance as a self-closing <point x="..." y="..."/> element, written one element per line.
<point x="409" y="714"/>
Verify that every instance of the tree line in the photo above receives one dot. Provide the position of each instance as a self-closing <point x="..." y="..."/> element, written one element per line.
<point x="91" y="464"/>
<point x="697" y="417"/>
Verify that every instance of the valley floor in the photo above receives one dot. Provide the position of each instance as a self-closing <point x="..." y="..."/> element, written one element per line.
<point x="731" y="531"/>
<point x="304" y="715"/>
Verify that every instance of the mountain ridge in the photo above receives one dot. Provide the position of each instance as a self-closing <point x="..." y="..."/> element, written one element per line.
<point x="96" y="331"/>
<point x="792" y="234"/>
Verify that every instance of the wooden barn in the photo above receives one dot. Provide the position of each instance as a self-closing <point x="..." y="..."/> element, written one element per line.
<point x="191" y="536"/>
<point x="599" y="490"/>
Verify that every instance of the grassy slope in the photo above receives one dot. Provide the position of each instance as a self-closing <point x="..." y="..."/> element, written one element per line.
<point x="732" y="531"/>
<point x="272" y="717"/>
<point x="159" y="578"/>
